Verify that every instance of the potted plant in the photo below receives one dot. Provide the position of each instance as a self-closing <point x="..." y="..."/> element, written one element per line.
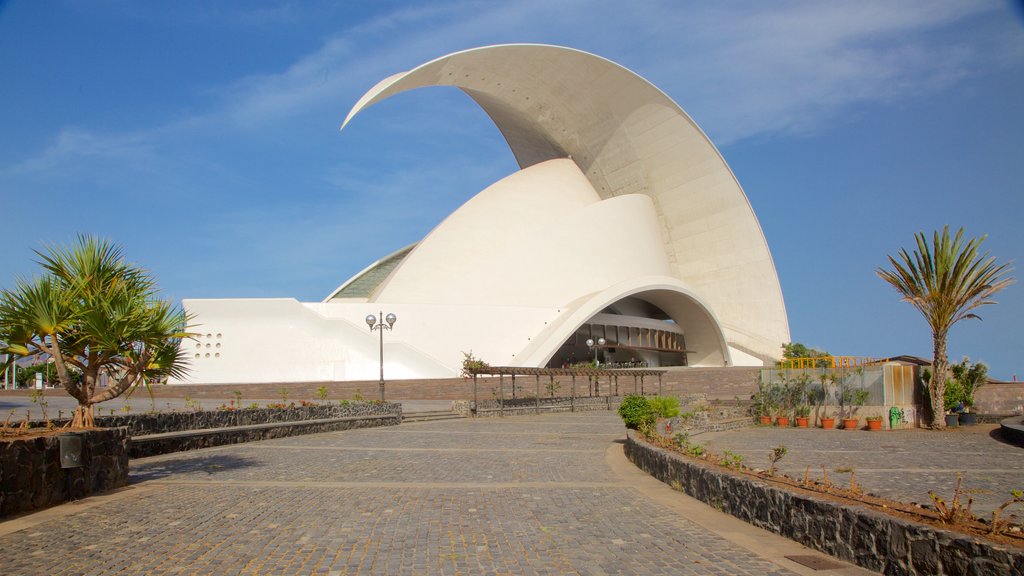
<point x="852" y="401"/>
<point x="782" y="392"/>
<point x="781" y="417"/>
<point x="826" y="418"/>
<point x="802" y="413"/>
<point x="953" y="402"/>
<point x="763" y="403"/>
<point x="970" y="377"/>
<point x="874" y="422"/>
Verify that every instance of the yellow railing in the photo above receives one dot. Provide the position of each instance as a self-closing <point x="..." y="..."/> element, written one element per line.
<point x="830" y="362"/>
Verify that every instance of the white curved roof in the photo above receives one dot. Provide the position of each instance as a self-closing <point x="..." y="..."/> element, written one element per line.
<point x="627" y="137"/>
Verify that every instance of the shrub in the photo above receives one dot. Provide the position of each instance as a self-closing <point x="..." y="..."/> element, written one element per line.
<point x="664" y="406"/>
<point x="635" y="411"/>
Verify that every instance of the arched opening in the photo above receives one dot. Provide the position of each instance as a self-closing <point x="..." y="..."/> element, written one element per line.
<point x="633" y="332"/>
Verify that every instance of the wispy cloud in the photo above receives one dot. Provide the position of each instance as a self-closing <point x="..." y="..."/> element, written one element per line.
<point x="742" y="70"/>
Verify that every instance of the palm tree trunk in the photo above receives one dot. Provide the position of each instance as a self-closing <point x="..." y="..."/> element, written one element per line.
<point x="937" y="387"/>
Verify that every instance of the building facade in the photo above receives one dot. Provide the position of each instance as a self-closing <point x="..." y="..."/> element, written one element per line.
<point x="624" y="223"/>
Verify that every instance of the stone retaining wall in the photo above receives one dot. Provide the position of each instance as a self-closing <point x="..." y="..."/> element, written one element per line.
<point x="31" y="477"/>
<point x="164" y="422"/>
<point x="872" y="540"/>
<point x="522" y="406"/>
<point x="155" y="444"/>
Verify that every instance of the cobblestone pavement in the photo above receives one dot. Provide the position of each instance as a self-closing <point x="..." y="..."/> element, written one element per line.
<point x="524" y="495"/>
<point x="899" y="464"/>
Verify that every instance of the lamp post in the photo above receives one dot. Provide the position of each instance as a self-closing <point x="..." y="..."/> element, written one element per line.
<point x="594" y="346"/>
<point x="385" y="323"/>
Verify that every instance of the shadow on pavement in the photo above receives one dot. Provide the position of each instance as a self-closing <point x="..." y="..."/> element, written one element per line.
<point x="999" y="436"/>
<point x="211" y="465"/>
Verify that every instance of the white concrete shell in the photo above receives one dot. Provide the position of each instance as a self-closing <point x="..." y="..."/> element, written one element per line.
<point x="621" y="199"/>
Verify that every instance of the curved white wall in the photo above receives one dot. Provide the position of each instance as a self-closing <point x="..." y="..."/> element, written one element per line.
<point x="540" y="237"/>
<point x="627" y="137"/>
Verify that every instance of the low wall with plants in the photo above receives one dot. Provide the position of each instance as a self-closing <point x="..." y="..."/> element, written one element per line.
<point x="163" y="433"/>
<point x="870" y="539"/>
<point x="520" y="406"/>
<point x="143" y="424"/>
<point x="31" y="476"/>
<point x="156" y="444"/>
<point x="164" y="422"/>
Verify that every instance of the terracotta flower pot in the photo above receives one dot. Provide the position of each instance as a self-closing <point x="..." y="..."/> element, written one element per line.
<point x="849" y="423"/>
<point x="766" y="420"/>
<point x="874" y="424"/>
<point x="782" y="421"/>
<point x="802" y="421"/>
<point x="828" y="423"/>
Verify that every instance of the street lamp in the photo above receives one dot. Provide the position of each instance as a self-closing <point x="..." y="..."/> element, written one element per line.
<point x="595" y="345"/>
<point x="386" y="323"/>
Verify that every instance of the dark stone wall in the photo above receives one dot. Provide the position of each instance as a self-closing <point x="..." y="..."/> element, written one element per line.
<point x="31" y="477"/>
<point x="521" y="406"/>
<point x="155" y="444"/>
<point x="874" y="541"/>
<point x="164" y="422"/>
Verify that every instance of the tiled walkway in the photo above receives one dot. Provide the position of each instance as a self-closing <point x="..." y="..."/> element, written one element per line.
<point x="526" y="495"/>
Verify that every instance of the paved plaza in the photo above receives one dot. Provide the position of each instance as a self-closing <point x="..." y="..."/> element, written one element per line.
<point x="549" y="494"/>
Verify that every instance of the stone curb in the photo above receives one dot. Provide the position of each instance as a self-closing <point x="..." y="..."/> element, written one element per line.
<point x="869" y="539"/>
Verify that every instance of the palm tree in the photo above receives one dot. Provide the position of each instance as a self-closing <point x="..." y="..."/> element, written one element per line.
<point x="93" y="311"/>
<point x="946" y="281"/>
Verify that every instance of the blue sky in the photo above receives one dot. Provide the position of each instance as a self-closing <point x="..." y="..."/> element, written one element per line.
<point x="203" y="137"/>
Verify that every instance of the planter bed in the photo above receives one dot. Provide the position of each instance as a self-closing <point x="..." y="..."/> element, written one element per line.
<point x="874" y="540"/>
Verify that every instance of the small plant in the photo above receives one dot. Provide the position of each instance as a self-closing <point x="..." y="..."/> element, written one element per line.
<point x="1017" y="497"/>
<point x="283" y="393"/>
<point x="471" y="365"/>
<point x="254" y="406"/>
<point x="732" y="460"/>
<point x="646" y="428"/>
<point x="664" y="406"/>
<point x="854" y="488"/>
<point x="677" y="485"/>
<point x="7" y="423"/>
<point x="40" y="398"/>
<point x="343" y="402"/>
<point x="357" y="396"/>
<point x="192" y="403"/>
<point x="552" y="386"/>
<point x="238" y="396"/>
<point x="321" y="393"/>
<point x="955" y="512"/>
<point x="681" y="440"/>
<point x="774" y="456"/>
<point x="636" y="411"/>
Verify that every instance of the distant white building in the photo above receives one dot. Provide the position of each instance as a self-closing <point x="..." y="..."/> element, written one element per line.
<point x="624" y="223"/>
